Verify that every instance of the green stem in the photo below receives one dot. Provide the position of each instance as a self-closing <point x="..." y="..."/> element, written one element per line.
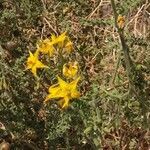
<point x="133" y="75"/>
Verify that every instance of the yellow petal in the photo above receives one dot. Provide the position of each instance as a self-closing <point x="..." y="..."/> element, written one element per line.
<point x="75" y="94"/>
<point x="61" y="102"/>
<point x="69" y="46"/>
<point x="51" y="51"/>
<point x="59" y="40"/>
<point x="31" y="55"/>
<point x="61" y="37"/>
<point x="64" y="103"/>
<point x="121" y="21"/>
<point x="62" y="83"/>
<point x="31" y="60"/>
<point x="65" y="70"/>
<point x="53" y="39"/>
<point x="40" y="65"/>
<point x="70" y="70"/>
<point x="46" y="47"/>
<point x="36" y="54"/>
<point x="52" y="87"/>
<point x="55" y="92"/>
<point x="73" y="84"/>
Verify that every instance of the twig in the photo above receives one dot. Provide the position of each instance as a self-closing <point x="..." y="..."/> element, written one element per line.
<point x="136" y="16"/>
<point x="100" y="3"/>
<point x="125" y="48"/>
<point x="116" y="69"/>
<point x="50" y="26"/>
<point x="118" y="85"/>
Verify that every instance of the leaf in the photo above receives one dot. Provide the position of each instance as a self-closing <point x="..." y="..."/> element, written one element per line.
<point x="87" y="130"/>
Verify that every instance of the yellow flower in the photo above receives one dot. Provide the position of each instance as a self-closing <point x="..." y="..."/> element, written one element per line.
<point x="63" y="92"/>
<point x="33" y="63"/>
<point x="121" y="21"/>
<point x="53" y="39"/>
<point x="46" y="47"/>
<point x="68" y="46"/>
<point x="61" y="38"/>
<point x="70" y="70"/>
<point x="62" y="41"/>
<point x="58" y="40"/>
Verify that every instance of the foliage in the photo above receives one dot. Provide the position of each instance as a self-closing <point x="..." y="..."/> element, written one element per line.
<point x="107" y="115"/>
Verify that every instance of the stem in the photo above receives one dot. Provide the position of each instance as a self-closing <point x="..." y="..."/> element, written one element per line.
<point x="125" y="48"/>
<point x="114" y="12"/>
<point x="136" y="80"/>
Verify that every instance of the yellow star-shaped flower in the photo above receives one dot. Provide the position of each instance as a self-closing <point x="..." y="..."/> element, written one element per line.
<point x="68" y="46"/>
<point x="62" y="41"/>
<point x="63" y="92"/>
<point x="70" y="70"/>
<point x="33" y="63"/>
<point x="59" y="40"/>
<point x="46" y="47"/>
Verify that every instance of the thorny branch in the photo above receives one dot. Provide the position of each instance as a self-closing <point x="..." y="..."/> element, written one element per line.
<point x="135" y="77"/>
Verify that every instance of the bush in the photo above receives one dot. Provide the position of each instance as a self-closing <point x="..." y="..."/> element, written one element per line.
<point x="112" y="111"/>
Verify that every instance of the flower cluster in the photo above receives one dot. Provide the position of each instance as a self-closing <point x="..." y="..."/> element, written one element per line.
<point x="63" y="91"/>
<point x="48" y="46"/>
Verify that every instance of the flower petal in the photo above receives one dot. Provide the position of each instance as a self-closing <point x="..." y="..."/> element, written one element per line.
<point x="62" y="83"/>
